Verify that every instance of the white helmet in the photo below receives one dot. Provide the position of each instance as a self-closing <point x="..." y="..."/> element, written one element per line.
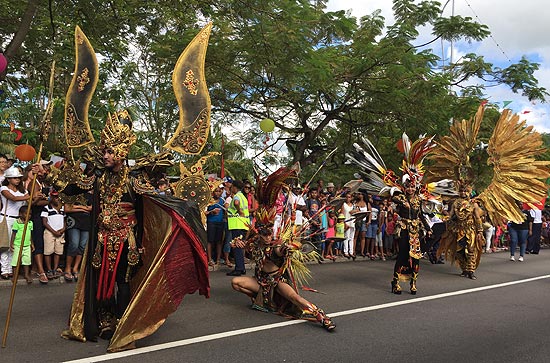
<point x="13" y="172"/>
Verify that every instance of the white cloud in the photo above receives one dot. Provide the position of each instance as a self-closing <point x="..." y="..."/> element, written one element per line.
<point x="517" y="29"/>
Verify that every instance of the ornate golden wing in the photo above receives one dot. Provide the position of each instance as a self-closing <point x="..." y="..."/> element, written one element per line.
<point x="79" y="95"/>
<point x="451" y="158"/>
<point x="191" y="92"/>
<point x="517" y="175"/>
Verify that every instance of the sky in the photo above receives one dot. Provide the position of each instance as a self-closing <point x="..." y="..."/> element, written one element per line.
<point x="518" y="28"/>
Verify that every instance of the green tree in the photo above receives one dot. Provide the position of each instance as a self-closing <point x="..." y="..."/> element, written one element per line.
<point x="313" y="71"/>
<point x="324" y="77"/>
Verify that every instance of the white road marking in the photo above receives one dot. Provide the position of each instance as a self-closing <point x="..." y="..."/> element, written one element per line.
<point x="180" y="343"/>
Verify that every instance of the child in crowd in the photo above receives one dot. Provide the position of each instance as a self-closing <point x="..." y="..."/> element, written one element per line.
<point x="28" y="246"/>
<point x="329" y="236"/>
<point x="340" y="232"/>
<point x="53" y="219"/>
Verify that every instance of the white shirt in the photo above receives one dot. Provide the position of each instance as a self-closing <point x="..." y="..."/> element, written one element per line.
<point x="12" y="208"/>
<point x="536" y="214"/>
<point x="56" y="219"/>
<point x="293" y="202"/>
<point x="374" y="214"/>
<point x="346" y="211"/>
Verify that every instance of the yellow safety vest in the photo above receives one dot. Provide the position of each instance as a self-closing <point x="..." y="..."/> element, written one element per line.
<point x="234" y="220"/>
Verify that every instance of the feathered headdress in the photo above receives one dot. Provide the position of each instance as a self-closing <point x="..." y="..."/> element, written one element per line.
<point x="267" y="191"/>
<point x="378" y="179"/>
<point x="414" y="154"/>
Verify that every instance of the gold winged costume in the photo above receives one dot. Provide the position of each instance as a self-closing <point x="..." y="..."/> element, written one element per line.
<point x="517" y="176"/>
<point x="151" y="245"/>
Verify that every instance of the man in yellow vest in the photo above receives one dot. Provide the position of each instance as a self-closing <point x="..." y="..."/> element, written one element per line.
<point x="238" y="224"/>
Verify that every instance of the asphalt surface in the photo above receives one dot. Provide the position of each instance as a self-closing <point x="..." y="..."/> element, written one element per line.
<point x="508" y="323"/>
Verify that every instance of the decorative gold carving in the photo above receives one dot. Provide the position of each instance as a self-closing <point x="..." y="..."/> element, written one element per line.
<point x="75" y="134"/>
<point x="194" y="188"/>
<point x="79" y="38"/>
<point x="83" y="79"/>
<point x="191" y="82"/>
<point x="205" y="33"/>
<point x="141" y="183"/>
<point x="192" y="139"/>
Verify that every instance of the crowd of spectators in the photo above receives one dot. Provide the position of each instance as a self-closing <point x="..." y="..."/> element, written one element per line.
<point x="56" y="234"/>
<point x="342" y="223"/>
<point x="345" y="223"/>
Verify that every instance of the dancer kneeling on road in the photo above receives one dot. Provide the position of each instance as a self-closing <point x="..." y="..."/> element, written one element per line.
<point x="279" y="261"/>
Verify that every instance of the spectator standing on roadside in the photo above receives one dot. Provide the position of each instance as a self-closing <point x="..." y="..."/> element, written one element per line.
<point x="313" y="206"/>
<point x="372" y="229"/>
<point x="349" y="243"/>
<point x="53" y="220"/>
<point x="14" y="196"/>
<point x="41" y="191"/>
<point x="533" y="245"/>
<point x="280" y="203"/>
<point x="79" y="222"/>
<point x="238" y="222"/>
<point x="16" y="243"/>
<point x="296" y="205"/>
<point x="388" y="237"/>
<point x="519" y="232"/>
<point x="3" y="166"/>
<point x="215" y="227"/>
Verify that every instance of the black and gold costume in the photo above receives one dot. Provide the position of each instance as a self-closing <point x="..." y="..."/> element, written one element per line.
<point x="411" y="227"/>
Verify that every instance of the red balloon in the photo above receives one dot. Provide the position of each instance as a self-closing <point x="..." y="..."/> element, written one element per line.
<point x="3" y="63"/>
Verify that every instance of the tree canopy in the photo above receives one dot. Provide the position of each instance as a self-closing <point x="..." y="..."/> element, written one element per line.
<point x="325" y="78"/>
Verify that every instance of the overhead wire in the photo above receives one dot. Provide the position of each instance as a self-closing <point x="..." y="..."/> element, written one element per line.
<point x="490" y="35"/>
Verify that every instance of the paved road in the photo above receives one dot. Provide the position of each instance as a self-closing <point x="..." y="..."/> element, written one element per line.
<point x="452" y="319"/>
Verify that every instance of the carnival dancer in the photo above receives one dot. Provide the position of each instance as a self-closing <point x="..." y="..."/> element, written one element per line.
<point x="125" y="222"/>
<point x="279" y="262"/>
<point x="463" y="239"/>
<point x="408" y="193"/>
<point x="146" y="251"/>
<point x="517" y="175"/>
<point x="411" y="227"/>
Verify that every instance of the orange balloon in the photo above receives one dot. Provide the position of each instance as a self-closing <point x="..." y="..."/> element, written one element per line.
<point x="25" y="152"/>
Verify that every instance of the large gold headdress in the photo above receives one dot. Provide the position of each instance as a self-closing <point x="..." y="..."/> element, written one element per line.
<point x="117" y="134"/>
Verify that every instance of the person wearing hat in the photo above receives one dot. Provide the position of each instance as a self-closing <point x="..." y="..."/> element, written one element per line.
<point x="227" y="182"/>
<point x="273" y="288"/>
<point x="14" y="196"/>
<point x="128" y="220"/>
